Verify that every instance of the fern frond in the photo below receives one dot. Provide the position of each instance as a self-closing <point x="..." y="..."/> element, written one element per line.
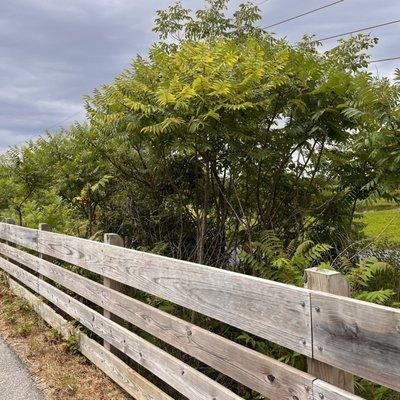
<point x="378" y="296"/>
<point x="271" y="241"/>
<point x="366" y="269"/>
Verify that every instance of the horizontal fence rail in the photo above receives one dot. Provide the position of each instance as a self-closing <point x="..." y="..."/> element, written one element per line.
<point x="355" y="336"/>
<point x="133" y="383"/>
<point x="238" y="362"/>
<point x="182" y="377"/>
<point x="270" y="310"/>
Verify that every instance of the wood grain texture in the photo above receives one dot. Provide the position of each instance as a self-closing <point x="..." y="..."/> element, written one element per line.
<point x="326" y="391"/>
<point x="11" y="222"/>
<point x="270" y="310"/>
<point x="20" y="235"/>
<point x="44" y="227"/>
<point x="185" y="379"/>
<point x="359" y="337"/>
<point x="260" y="373"/>
<point x="115" y="240"/>
<point x="129" y="380"/>
<point x="43" y="310"/>
<point x="132" y="382"/>
<point x="326" y="280"/>
<point x="333" y="282"/>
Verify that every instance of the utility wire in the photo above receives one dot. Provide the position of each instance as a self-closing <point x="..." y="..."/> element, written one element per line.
<point x="359" y="30"/>
<point x="305" y="13"/>
<point x="65" y="120"/>
<point x="261" y="2"/>
<point x="383" y="59"/>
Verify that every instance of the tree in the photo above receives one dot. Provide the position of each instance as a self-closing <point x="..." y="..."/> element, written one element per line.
<point x="222" y="133"/>
<point x="21" y="176"/>
<point x="263" y="125"/>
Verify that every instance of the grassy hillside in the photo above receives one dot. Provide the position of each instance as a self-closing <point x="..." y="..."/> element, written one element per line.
<point x="382" y="222"/>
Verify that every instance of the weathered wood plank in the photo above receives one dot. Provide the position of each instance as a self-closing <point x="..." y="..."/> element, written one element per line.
<point x="263" y="374"/>
<point x="326" y="391"/>
<point x="132" y="382"/>
<point x="11" y="222"/>
<point x="325" y="280"/>
<point x="238" y="300"/>
<point x="19" y="235"/>
<point x="271" y="310"/>
<point x="359" y="337"/>
<point x="44" y="227"/>
<point x="47" y="313"/>
<point x="191" y="383"/>
<point x="115" y="240"/>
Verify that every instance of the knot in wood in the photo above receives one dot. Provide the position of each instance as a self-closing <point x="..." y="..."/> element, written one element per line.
<point x="271" y="378"/>
<point x="352" y="331"/>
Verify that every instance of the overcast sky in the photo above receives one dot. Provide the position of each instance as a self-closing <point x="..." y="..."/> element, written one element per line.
<point x="52" y="52"/>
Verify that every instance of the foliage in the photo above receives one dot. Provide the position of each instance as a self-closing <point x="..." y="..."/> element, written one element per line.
<point x="373" y="391"/>
<point x="27" y="178"/>
<point x="72" y="344"/>
<point x="370" y="280"/>
<point x="201" y="146"/>
<point x="177" y="23"/>
<point x="361" y="276"/>
<point x="226" y="146"/>
<point x="269" y="260"/>
<point x="382" y="225"/>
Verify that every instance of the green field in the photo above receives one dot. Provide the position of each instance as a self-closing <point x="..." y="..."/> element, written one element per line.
<point x="382" y="225"/>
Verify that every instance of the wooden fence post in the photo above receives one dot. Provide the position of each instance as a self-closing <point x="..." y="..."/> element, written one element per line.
<point x="115" y="240"/>
<point x="44" y="227"/>
<point x="12" y="222"/>
<point x="325" y="280"/>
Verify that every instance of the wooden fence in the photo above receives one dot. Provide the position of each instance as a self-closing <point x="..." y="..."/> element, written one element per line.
<point x="353" y="336"/>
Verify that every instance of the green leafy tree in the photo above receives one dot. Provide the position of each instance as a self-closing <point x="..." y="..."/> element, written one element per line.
<point x="266" y="126"/>
<point x="21" y="177"/>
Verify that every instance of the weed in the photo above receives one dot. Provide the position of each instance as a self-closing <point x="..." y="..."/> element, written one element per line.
<point x="3" y="281"/>
<point x="34" y="349"/>
<point x="70" y="384"/>
<point x="72" y="344"/>
<point x="53" y="335"/>
<point x="24" y="327"/>
<point x="13" y="307"/>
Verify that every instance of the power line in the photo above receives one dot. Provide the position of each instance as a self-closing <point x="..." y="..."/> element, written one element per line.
<point x="384" y="59"/>
<point x="359" y="30"/>
<point x="305" y="13"/>
<point x="65" y="120"/>
<point x="261" y="2"/>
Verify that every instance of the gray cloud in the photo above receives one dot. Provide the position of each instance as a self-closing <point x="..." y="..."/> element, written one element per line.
<point x="52" y="52"/>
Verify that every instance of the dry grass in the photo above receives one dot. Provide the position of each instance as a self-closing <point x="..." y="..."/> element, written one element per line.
<point x="59" y="372"/>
